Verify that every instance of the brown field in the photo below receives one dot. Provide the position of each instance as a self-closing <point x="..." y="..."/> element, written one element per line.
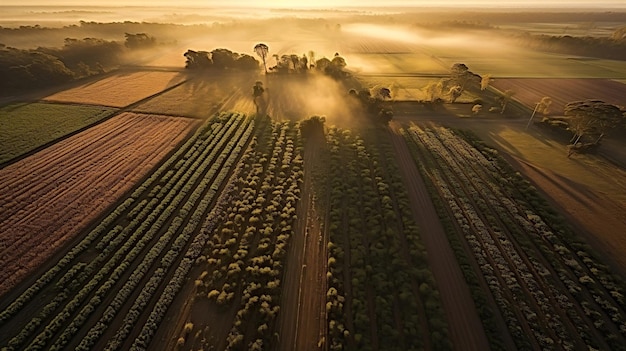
<point x="120" y="89"/>
<point x="529" y="91"/>
<point x="50" y="197"/>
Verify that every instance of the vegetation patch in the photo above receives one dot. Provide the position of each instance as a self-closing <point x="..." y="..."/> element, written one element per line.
<point x="25" y="127"/>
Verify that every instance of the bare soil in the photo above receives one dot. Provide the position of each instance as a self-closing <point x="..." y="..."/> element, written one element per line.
<point x="466" y="330"/>
<point x="302" y="318"/>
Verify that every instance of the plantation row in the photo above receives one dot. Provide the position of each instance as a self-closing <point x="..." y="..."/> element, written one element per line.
<point x="381" y="295"/>
<point x="47" y="199"/>
<point x="237" y="294"/>
<point x="111" y="286"/>
<point x="549" y="288"/>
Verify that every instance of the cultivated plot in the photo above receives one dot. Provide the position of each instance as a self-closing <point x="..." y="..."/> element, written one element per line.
<point x="120" y="89"/>
<point x="562" y="91"/>
<point x="410" y="64"/>
<point x="24" y="127"/>
<point x="51" y="196"/>
<point x="200" y="96"/>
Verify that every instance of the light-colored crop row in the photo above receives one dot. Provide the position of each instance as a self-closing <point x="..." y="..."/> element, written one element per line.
<point x="207" y="160"/>
<point x="496" y="226"/>
<point x="247" y="249"/>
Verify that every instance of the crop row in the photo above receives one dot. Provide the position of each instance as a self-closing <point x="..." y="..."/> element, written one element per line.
<point x="243" y="260"/>
<point x="497" y="226"/>
<point x="382" y="294"/>
<point x="53" y="195"/>
<point x="145" y="228"/>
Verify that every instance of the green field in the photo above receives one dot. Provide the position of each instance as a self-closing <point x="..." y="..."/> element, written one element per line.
<point x="25" y="127"/>
<point x="518" y="62"/>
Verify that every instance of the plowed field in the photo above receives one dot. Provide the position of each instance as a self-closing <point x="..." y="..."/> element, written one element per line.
<point x="50" y="197"/>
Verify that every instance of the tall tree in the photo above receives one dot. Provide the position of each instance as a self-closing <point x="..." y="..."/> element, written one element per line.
<point x="257" y="94"/>
<point x="543" y="106"/>
<point x="505" y="99"/>
<point x="262" y="50"/>
<point x="592" y="117"/>
<point x="484" y="81"/>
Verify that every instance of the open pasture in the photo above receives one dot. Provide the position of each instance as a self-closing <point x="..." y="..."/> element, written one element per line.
<point x="395" y="63"/>
<point x="51" y="196"/>
<point x="529" y="91"/>
<point x="120" y="89"/>
<point x="25" y="127"/>
<point x="574" y="29"/>
<point x="515" y="62"/>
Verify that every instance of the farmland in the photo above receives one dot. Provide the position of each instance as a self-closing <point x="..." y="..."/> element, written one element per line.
<point x="520" y="247"/>
<point x="53" y="195"/>
<point x="120" y="89"/>
<point x="25" y="127"/>
<point x="530" y="91"/>
<point x="162" y="208"/>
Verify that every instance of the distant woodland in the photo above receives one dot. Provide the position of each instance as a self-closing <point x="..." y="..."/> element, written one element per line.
<point x="26" y="69"/>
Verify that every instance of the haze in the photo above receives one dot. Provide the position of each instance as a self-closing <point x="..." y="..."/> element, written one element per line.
<point x="332" y="3"/>
<point x="312" y="175"/>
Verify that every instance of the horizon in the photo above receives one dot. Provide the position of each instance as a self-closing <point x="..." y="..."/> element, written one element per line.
<point x="328" y="4"/>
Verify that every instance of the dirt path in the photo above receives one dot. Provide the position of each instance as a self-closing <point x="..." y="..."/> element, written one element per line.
<point x="302" y="318"/>
<point x="466" y="330"/>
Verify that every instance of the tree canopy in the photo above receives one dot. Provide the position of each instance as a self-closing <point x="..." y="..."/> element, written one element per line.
<point x="262" y="50"/>
<point x="219" y="59"/>
<point x="42" y="67"/>
<point x="592" y="117"/>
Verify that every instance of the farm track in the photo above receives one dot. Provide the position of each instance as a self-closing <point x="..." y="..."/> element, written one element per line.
<point x="36" y="190"/>
<point x="302" y="321"/>
<point x="190" y="212"/>
<point x="529" y="271"/>
<point x="465" y="327"/>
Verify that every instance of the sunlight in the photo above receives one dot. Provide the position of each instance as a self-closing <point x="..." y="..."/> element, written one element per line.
<point x="382" y="32"/>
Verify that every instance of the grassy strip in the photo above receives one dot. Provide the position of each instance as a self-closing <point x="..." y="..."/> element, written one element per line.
<point x="25" y="127"/>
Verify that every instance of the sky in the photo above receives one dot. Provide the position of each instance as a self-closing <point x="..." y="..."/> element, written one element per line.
<point x="328" y="3"/>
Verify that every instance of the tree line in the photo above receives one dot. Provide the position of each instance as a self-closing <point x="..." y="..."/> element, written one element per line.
<point x="613" y="47"/>
<point x="27" y="69"/>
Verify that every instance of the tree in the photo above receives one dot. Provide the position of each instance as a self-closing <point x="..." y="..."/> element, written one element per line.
<point x="591" y="117"/>
<point x="543" y="106"/>
<point x="505" y="99"/>
<point x="477" y="108"/>
<point x="197" y="59"/>
<point x="434" y="90"/>
<point x="455" y="92"/>
<point x="139" y="41"/>
<point x="262" y="50"/>
<point x="384" y="93"/>
<point x="619" y="33"/>
<point x="484" y="81"/>
<point x="336" y="67"/>
<point x="322" y="64"/>
<point x="461" y="75"/>
<point x="257" y="93"/>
